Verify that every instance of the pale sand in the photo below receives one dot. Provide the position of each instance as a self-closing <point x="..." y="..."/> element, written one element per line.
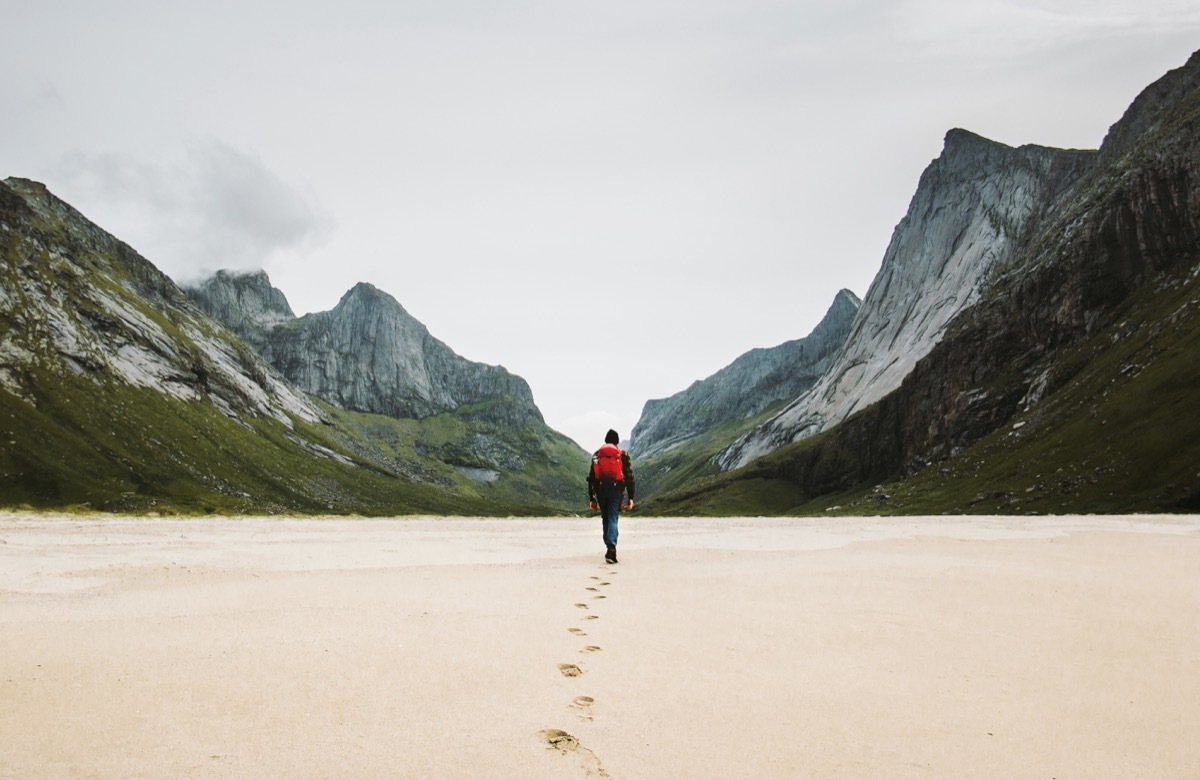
<point x="760" y="648"/>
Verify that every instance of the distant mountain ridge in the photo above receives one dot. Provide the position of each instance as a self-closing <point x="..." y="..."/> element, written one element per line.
<point x="1030" y="344"/>
<point x="367" y="353"/>
<point x="118" y="392"/>
<point x="746" y="387"/>
<point x="974" y="206"/>
<point x="1056" y="371"/>
<point x="127" y="320"/>
<point x="246" y="303"/>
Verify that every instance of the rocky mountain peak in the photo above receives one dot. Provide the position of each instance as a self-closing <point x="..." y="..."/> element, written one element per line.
<point x="1026" y="331"/>
<point x="367" y="353"/>
<point x="365" y="301"/>
<point x="964" y="225"/>
<point x="838" y="317"/>
<point x="245" y="302"/>
<point x="1150" y="108"/>
<point x="747" y="386"/>
<point x="118" y="391"/>
<point x="368" y="294"/>
<point x="79" y="302"/>
<point x="959" y="143"/>
<point x="92" y="246"/>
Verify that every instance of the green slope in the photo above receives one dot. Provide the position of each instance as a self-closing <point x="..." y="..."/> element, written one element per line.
<point x="74" y="433"/>
<point x="693" y="460"/>
<point x="1122" y="435"/>
<point x="114" y="447"/>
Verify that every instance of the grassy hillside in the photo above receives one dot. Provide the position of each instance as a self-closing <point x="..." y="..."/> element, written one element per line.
<point x="80" y="431"/>
<point x="1122" y="435"/>
<point x="535" y="470"/>
<point x="693" y="460"/>
<point x="119" y="448"/>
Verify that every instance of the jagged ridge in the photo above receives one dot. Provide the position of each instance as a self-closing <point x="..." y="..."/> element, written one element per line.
<point x="367" y="353"/>
<point x="973" y="208"/>
<point x="1101" y="293"/>
<point x="77" y="299"/>
<point x="745" y="387"/>
<point x="117" y="392"/>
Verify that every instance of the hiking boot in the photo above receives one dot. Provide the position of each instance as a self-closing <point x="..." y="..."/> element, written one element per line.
<point x="611" y="555"/>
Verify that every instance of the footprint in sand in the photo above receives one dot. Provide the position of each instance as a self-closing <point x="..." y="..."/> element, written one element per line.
<point x="584" y="706"/>
<point x="590" y="649"/>
<point x="577" y="631"/>
<point x="592" y="617"/>
<point x="601" y="596"/>
<point x="570" y="670"/>
<point x="557" y="739"/>
<point x="568" y="745"/>
<point x="582" y="606"/>
<point x="592" y="589"/>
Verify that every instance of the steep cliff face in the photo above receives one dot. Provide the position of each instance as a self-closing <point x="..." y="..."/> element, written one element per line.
<point x="974" y="208"/>
<point x="77" y="300"/>
<point x="366" y="354"/>
<point x="246" y="303"/>
<point x="747" y="386"/>
<point x="1094" y="321"/>
<point x="1132" y="223"/>
<point x="117" y="392"/>
<point x="369" y="354"/>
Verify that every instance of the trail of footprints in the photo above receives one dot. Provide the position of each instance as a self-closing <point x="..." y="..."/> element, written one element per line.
<point x="581" y="706"/>
<point x="573" y="670"/>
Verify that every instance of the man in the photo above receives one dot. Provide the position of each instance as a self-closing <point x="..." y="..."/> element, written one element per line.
<point x="610" y="476"/>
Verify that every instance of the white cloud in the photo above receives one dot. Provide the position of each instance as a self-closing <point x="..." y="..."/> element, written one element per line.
<point x="220" y="208"/>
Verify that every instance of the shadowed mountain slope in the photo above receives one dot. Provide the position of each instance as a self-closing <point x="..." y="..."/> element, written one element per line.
<point x="118" y="392"/>
<point x="1065" y="386"/>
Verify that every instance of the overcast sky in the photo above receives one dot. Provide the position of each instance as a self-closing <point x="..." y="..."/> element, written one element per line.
<point x="611" y="199"/>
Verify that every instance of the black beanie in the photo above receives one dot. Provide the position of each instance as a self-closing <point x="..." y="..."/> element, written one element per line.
<point x="612" y="438"/>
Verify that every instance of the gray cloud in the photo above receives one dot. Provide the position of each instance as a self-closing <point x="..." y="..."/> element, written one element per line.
<point x="219" y="208"/>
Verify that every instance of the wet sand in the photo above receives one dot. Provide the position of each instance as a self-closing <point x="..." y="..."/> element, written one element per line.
<point x="987" y="647"/>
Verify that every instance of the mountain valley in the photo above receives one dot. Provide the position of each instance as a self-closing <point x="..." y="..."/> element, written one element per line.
<point x="1030" y="344"/>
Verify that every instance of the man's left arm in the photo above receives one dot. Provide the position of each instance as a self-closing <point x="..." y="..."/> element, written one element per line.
<point x="627" y="470"/>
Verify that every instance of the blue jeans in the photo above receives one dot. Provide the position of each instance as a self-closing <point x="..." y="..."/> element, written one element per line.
<point x="609" y="500"/>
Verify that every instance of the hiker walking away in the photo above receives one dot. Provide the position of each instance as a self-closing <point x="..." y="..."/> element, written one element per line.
<point x="610" y="476"/>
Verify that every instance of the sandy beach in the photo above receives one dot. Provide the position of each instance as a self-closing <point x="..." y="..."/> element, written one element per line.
<point x="949" y="647"/>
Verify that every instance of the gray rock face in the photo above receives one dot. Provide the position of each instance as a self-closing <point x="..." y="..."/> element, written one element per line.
<point x="120" y="392"/>
<point x="1128" y="227"/>
<point x="366" y="354"/>
<point x="76" y="299"/>
<point x="973" y="207"/>
<point x="746" y="386"/>
<point x="246" y="303"/>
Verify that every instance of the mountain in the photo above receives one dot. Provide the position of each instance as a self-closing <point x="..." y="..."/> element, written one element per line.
<point x="746" y="387"/>
<point x="1031" y="343"/>
<point x="367" y="354"/>
<point x="973" y="206"/>
<point x="246" y="303"/>
<point x="78" y="300"/>
<point x="118" y="392"/>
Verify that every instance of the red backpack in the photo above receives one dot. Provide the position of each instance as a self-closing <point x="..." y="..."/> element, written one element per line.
<point x="606" y="464"/>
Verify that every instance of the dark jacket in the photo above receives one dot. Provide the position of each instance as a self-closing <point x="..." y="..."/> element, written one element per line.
<point x="626" y="470"/>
